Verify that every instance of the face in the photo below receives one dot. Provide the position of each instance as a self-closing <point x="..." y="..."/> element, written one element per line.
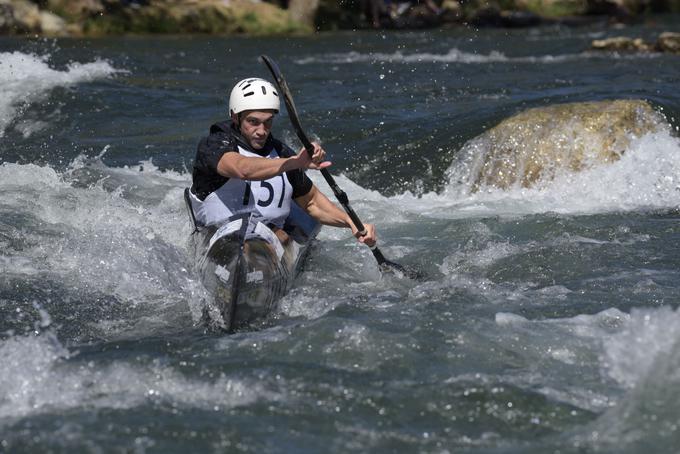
<point x="256" y="126"/>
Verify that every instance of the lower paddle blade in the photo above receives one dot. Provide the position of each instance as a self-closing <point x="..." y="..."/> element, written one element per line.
<point x="394" y="268"/>
<point x="401" y="271"/>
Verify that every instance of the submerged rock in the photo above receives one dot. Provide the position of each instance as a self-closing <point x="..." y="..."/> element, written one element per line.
<point x="666" y="42"/>
<point x="536" y="144"/>
<point x="621" y="44"/>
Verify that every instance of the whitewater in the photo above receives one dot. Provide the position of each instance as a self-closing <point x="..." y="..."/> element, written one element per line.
<point x="547" y="320"/>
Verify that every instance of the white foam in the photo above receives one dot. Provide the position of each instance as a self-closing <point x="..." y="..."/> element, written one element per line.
<point x="133" y="249"/>
<point x="40" y="376"/>
<point x="649" y="336"/>
<point x="454" y="55"/>
<point x="27" y="78"/>
<point x="584" y="325"/>
<point x="636" y="347"/>
<point x="644" y="357"/>
<point x="646" y="177"/>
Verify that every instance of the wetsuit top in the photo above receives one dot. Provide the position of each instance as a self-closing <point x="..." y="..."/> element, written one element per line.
<point x="217" y="197"/>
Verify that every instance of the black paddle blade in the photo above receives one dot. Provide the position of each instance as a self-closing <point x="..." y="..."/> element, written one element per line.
<point x="288" y="100"/>
<point x="401" y="271"/>
<point x="281" y="82"/>
<point x="396" y="269"/>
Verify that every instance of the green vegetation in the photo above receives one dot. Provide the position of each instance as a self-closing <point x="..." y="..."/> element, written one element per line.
<point x="555" y="8"/>
<point x="207" y="18"/>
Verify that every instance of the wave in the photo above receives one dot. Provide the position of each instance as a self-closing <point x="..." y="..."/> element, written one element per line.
<point x="39" y="377"/>
<point x="98" y="233"/>
<point x="638" y="352"/>
<point x="104" y="240"/>
<point x="641" y="352"/>
<point x="454" y="55"/>
<point x="631" y="345"/>
<point x="27" y="78"/>
<point x="646" y="177"/>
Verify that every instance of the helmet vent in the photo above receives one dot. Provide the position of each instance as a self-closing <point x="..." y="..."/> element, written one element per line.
<point x="264" y="90"/>
<point x="250" y="93"/>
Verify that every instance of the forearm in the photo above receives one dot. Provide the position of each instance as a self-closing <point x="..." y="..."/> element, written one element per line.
<point x="326" y="212"/>
<point x="233" y="165"/>
<point x="318" y="206"/>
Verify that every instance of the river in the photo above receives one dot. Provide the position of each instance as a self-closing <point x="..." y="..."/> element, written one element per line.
<point x="547" y="321"/>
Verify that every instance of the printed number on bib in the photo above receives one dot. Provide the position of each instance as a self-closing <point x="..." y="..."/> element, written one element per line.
<point x="269" y="196"/>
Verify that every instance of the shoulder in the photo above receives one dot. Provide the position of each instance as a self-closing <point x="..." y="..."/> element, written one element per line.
<point x="220" y="138"/>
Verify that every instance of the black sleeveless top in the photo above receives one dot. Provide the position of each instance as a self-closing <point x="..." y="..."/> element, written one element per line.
<point x="225" y="138"/>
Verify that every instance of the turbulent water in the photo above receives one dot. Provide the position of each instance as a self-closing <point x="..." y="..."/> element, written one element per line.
<point x="547" y="322"/>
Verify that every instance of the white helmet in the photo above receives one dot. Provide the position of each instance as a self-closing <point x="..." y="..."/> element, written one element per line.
<point x="253" y="94"/>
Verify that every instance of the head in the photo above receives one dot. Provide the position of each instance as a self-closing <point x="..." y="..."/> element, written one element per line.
<point x="252" y="105"/>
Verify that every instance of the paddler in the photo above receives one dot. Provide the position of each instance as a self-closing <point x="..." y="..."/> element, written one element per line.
<point x="241" y="168"/>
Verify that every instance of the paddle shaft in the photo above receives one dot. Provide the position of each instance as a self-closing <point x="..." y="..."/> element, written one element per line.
<point x="384" y="264"/>
<point x="339" y="193"/>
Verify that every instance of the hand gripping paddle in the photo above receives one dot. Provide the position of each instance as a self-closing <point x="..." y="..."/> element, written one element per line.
<point x="384" y="264"/>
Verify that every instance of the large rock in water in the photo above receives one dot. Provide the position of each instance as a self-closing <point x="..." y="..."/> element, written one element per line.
<point x="536" y="144"/>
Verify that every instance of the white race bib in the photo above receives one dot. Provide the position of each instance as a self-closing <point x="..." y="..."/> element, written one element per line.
<point x="270" y="198"/>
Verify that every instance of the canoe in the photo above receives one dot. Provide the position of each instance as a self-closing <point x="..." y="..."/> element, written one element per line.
<point x="244" y="266"/>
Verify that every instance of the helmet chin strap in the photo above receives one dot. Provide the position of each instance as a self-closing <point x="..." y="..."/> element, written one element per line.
<point x="236" y="119"/>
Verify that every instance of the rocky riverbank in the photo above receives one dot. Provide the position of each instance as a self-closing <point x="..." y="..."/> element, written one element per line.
<point x="255" y="17"/>
<point x="106" y="17"/>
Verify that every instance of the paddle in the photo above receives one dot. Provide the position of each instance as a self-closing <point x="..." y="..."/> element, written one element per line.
<point x="384" y="264"/>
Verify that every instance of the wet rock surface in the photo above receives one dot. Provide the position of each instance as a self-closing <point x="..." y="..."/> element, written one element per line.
<point x="537" y="144"/>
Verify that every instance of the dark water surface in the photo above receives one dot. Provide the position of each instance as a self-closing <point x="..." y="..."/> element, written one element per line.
<point x="548" y="321"/>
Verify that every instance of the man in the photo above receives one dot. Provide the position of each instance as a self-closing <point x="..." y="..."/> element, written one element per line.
<point x="240" y="167"/>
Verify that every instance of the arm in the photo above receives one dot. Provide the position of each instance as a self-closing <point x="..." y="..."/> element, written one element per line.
<point x="235" y="165"/>
<point x="317" y="205"/>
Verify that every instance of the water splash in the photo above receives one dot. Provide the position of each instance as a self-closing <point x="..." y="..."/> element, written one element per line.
<point x="642" y="355"/>
<point x="650" y="338"/>
<point x="40" y="376"/>
<point x="27" y="78"/>
<point x="97" y="247"/>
